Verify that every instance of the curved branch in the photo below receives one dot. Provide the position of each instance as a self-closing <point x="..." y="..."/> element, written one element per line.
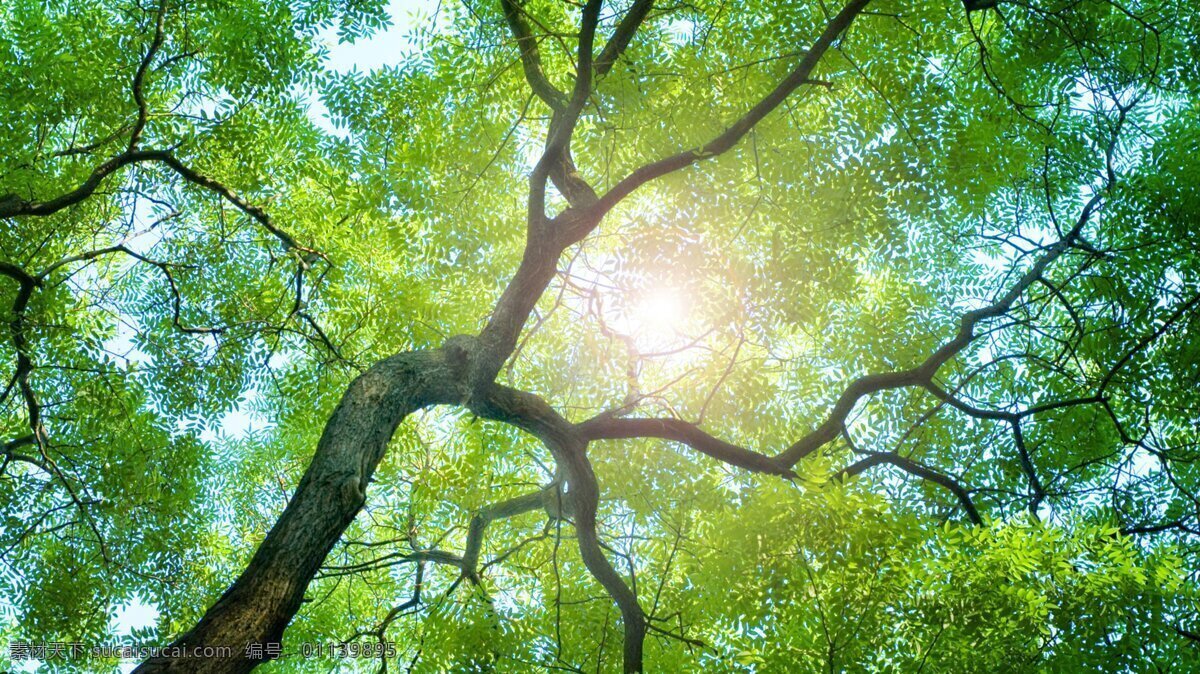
<point x="255" y="212"/>
<point x="586" y="497"/>
<point x="12" y="206"/>
<point x="556" y="163"/>
<point x="923" y="373"/>
<point x="919" y="470"/>
<point x="164" y="267"/>
<point x="26" y="284"/>
<point x="834" y="424"/>
<point x="10" y="453"/>
<point x="569" y="447"/>
<point x="485" y="516"/>
<point x="545" y="238"/>
<point x="139" y="78"/>
<point x="33" y="407"/>
<point x="17" y="274"/>
<point x="677" y="430"/>
<point x="531" y="57"/>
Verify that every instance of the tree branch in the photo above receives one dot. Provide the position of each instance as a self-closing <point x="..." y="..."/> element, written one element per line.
<point x="556" y="163"/>
<point x="913" y="468"/>
<point x="677" y="430"/>
<point x="547" y="238"/>
<point x="532" y="414"/>
<point x="12" y="206"/>
<point x="742" y="126"/>
<point x="485" y="516"/>
<point x="621" y="38"/>
<point x="531" y="58"/>
<point x="139" y="79"/>
<point x="923" y="373"/>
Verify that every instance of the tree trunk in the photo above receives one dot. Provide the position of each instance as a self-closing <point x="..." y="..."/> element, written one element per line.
<point x="259" y="605"/>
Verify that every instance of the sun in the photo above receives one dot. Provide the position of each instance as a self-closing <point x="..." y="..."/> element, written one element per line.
<point x="658" y="319"/>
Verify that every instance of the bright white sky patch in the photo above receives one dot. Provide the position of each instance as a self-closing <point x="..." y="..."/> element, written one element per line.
<point x="134" y="616"/>
<point x="387" y="47"/>
<point x="384" y="48"/>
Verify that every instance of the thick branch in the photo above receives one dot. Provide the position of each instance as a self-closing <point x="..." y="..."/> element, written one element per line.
<point x="585" y="495"/>
<point x="556" y="163"/>
<point x="10" y="453"/>
<point x="602" y="428"/>
<point x="13" y="206"/>
<point x="546" y="239"/>
<point x="26" y="284"/>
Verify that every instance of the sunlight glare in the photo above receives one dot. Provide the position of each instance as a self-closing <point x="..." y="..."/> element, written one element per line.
<point x="658" y="319"/>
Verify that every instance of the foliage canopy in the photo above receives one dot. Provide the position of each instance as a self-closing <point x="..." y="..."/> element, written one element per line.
<point x="747" y="337"/>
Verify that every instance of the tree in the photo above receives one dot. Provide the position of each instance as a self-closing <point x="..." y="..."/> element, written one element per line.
<point x="628" y="335"/>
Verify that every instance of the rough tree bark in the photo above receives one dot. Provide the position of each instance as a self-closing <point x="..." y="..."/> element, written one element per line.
<point x="260" y="604"/>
